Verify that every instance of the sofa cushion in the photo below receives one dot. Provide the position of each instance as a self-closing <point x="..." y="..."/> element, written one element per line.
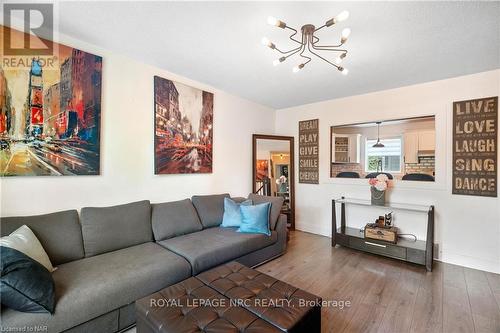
<point x="88" y="288"/>
<point x="210" y="208"/>
<point x="214" y="246"/>
<point x="276" y="204"/>
<point x="107" y="229"/>
<point x="59" y="233"/>
<point x="175" y="218"/>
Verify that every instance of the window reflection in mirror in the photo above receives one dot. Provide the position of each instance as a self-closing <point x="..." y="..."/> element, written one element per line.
<point x="403" y="149"/>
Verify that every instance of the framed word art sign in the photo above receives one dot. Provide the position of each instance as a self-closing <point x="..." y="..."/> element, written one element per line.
<point x="475" y="147"/>
<point x="309" y="151"/>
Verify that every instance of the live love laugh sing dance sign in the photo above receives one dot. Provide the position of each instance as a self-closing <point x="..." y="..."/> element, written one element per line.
<point x="475" y="147"/>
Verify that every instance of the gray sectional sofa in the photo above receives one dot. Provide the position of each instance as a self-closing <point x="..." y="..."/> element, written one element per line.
<point x="110" y="257"/>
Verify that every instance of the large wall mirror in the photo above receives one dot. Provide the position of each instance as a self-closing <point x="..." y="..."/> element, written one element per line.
<point x="404" y="149"/>
<point x="273" y="171"/>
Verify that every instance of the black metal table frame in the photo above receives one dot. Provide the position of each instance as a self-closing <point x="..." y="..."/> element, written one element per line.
<point x="429" y="248"/>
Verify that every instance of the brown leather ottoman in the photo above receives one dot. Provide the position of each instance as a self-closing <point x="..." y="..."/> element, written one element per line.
<point x="229" y="298"/>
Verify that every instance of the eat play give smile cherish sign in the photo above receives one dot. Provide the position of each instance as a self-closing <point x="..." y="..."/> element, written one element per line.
<point x="309" y="151"/>
<point x="475" y="147"/>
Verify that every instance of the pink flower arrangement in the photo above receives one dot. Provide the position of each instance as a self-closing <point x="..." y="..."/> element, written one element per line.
<point x="381" y="182"/>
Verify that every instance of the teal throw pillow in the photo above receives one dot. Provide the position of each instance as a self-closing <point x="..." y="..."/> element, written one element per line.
<point x="255" y="219"/>
<point x="232" y="214"/>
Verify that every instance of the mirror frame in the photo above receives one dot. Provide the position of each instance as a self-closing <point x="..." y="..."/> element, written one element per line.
<point x="291" y="172"/>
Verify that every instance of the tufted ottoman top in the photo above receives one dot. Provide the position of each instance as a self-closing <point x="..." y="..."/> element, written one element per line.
<point x="191" y="306"/>
<point x="273" y="300"/>
<point x="229" y="298"/>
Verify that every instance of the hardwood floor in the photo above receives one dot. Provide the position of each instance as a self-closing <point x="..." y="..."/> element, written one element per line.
<point x="388" y="295"/>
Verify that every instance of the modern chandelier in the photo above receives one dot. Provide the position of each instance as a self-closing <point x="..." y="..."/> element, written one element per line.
<point x="310" y="42"/>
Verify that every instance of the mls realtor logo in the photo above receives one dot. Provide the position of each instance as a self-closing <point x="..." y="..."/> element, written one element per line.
<point x="38" y="27"/>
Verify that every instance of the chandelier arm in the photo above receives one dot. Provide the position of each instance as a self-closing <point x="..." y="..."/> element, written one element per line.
<point x="325" y="48"/>
<point x="338" y="45"/>
<point x="294" y="33"/>
<point x="286" y="52"/>
<point x="301" y="53"/>
<point x="317" y="55"/>
<point x="294" y="52"/>
<point x="324" y="25"/>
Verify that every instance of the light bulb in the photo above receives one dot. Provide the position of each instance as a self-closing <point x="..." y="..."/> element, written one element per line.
<point x="279" y="61"/>
<point x="265" y="41"/>
<point x="272" y="20"/>
<point x="298" y="68"/>
<point x="346" y="32"/>
<point x="345" y="71"/>
<point x="342" y="16"/>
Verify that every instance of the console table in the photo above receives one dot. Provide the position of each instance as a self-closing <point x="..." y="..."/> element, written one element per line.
<point x="418" y="252"/>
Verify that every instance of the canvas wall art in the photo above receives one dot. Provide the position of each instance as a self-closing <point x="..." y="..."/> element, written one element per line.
<point x="183" y="128"/>
<point x="262" y="169"/>
<point x="475" y="147"/>
<point x="309" y="151"/>
<point x="50" y="109"/>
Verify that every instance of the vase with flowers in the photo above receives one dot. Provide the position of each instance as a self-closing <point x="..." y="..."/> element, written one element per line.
<point x="282" y="185"/>
<point x="379" y="185"/>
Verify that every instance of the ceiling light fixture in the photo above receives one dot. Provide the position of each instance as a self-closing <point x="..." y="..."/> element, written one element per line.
<point x="378" y="144"/>
<point x="310" y="43"/>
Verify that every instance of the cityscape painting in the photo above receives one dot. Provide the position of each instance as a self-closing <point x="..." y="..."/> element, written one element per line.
<point x="183" y="128"/>
<point x="50" y="110"/>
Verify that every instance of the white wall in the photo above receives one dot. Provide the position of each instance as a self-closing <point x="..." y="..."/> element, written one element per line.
<point x="467" y="228"/>
<point x="127" y="170"/>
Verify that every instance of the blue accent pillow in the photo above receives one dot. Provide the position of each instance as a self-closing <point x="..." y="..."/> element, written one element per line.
<point x="255" y="219"/>
<point x="232" y="214"/>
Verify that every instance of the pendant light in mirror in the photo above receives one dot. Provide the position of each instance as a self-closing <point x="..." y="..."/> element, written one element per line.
<point x="378" y="144"/>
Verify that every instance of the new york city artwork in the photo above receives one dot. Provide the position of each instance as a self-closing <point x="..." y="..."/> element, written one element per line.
<point x="50" y="109"/>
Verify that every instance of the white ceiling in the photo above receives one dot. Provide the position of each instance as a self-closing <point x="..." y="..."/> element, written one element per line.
<point x="392" y="44"/>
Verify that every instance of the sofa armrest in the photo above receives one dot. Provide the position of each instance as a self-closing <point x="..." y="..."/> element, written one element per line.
<point x="282" y="230"/>
<point x="281" y="225"/>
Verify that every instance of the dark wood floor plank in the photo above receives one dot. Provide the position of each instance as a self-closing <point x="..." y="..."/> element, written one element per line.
<point x="370" y="312"/>
<point x="428" y="311"/>
<point x="388" y="295"/>
<point x="399" y="313"/>
<point x="494" y="282"/>
<point x="485" y="314"/>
